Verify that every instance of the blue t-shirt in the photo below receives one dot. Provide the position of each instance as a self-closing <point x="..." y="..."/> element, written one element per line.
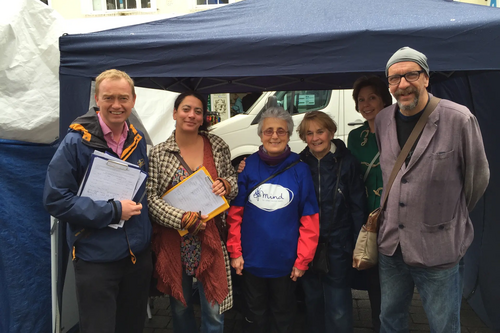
<point x="271" y="216"/>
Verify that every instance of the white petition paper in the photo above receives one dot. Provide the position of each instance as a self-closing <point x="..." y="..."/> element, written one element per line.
<point x="195" y="195"/>
<point x="110" y="179"/>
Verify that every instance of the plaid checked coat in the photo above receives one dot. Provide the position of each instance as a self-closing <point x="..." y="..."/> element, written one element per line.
<point x="162" y="166"/>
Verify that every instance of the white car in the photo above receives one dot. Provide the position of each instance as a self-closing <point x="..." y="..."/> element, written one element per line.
<point x="240" y="131"/>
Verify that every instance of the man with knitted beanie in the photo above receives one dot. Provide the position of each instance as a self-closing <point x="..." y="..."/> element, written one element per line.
<point x="425" y="228"/>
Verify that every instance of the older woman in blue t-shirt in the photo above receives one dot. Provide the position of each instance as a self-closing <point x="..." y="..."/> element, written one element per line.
<point x="273" y="225"/>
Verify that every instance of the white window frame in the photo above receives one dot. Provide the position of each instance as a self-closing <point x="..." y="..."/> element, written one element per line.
<point x="210" y="5"/>
<point x="88" y="7"/>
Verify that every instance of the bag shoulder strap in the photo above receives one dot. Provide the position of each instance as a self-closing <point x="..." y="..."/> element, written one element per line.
<point x="408" y="145"/>
<point x="370" y="166"/>
<point x="184" y="164"/>
<point x="272" y="176"/>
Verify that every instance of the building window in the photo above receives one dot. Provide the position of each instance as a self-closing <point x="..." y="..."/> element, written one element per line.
<point x="116" y="5"/>
<point x="212" y="2"/>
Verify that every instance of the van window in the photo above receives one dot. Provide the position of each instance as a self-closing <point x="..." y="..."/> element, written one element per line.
<point x="303" y="100"/>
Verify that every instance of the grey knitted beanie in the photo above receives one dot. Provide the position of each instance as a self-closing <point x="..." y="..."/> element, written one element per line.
<point x="408" y="54"/>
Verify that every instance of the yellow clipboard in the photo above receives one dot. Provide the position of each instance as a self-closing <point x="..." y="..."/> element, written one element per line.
<point x="224" y="206"/>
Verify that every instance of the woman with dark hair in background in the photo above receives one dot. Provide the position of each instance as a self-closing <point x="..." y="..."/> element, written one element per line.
<point x="370" y="95"/>
<point x="200" y="252"/>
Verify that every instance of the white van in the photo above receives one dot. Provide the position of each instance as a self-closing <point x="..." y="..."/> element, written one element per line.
<point x="240" y="131"/>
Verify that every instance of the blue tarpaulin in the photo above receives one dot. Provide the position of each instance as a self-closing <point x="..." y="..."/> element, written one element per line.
<point x="25" y="284"/>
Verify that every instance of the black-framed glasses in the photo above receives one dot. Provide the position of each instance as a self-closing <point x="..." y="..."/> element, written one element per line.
<point x="279" y="131"/>
<point x="410" y="77"/>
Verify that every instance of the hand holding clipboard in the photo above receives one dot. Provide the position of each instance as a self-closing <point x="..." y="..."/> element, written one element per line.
<point x="195" y="194"/>
<point x="109" y="178"/>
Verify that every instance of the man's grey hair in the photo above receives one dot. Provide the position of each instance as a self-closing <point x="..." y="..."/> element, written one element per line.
<point x="276" y="112"/>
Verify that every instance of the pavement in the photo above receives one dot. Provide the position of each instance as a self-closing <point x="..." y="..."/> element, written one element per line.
<point x="161" y="320"/>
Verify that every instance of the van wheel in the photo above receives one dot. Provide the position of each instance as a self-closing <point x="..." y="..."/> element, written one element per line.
<point x="237" y="161"/>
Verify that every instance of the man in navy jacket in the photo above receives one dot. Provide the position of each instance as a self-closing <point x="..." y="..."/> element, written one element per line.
<point x="112" y="265"/>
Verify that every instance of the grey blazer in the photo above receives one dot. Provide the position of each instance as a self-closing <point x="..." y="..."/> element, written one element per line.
<point x="428" y="207"/>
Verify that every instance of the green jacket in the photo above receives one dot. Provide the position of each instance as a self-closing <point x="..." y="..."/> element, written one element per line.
<point x="363" y="145"/>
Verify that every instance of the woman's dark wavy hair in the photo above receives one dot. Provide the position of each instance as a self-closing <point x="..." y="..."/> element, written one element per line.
<point x="180" y="98"/>
<point x="378" y="85"/>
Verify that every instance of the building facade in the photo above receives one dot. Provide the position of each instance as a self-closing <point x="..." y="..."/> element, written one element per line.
<point x="74" y="9"/>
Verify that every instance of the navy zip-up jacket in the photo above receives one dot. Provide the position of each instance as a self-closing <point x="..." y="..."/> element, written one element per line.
<point x="341" y="214"/>
<point x="88" y="234"/>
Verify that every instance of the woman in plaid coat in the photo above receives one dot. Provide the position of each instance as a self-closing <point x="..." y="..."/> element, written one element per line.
<point x="184" y="244"/>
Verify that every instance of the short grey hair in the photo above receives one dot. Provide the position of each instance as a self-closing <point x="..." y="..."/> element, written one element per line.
<point x="276" y="112"/>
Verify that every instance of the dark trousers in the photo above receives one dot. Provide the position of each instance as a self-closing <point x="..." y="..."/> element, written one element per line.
<point x="112" y="297"/>
<point x="373" y="287"/>
<point x="328" y="306"/>
<point x="265" y="298"/>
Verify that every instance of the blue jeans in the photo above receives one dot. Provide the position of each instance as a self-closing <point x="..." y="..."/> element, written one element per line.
<point x="183" y="317"/>
<point x="328" y="308"/>
<point x="439" y="289"/>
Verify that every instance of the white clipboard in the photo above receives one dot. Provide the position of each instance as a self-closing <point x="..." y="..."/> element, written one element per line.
<point x="109" y="178"/>
<point x="194" y="194"/>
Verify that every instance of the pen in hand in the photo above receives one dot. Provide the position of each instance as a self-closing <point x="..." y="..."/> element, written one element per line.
<point x="142" y="197"/>
<point x="131" y="208"/>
